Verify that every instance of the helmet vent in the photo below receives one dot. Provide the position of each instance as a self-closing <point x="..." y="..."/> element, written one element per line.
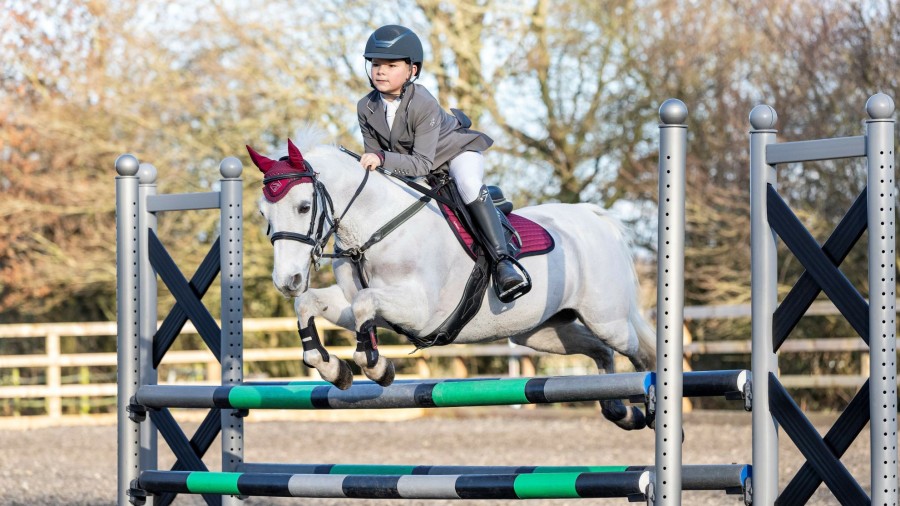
<point x="389" y="43"/>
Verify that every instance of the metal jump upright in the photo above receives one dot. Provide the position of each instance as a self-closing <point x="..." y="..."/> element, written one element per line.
<point x="876" y="401"/>
<point x="670" y="300"/>
<point x="140" y="257"/>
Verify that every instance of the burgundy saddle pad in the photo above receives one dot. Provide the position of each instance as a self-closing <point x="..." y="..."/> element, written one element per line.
<point x="535" y="239"/>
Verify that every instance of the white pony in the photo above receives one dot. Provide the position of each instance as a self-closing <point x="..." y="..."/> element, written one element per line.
<point x="584" y="297"/>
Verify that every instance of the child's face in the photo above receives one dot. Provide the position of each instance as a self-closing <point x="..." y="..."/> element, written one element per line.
<point x="389" y="75"/>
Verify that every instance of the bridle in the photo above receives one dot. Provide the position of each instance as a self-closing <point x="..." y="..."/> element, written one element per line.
<point x="316" y="236"/>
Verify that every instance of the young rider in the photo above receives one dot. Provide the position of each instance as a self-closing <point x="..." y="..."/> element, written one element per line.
<point x="405" y="130"/>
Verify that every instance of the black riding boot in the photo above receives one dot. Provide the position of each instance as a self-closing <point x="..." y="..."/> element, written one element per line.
<point x="508" y="281"/>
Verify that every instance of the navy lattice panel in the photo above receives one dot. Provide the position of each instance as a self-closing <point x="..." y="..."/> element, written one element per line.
<point x="188" y="305"/>
<point x="822" y="275"/>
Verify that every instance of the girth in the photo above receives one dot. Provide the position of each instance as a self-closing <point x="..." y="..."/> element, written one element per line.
<point x="465" y="310"/>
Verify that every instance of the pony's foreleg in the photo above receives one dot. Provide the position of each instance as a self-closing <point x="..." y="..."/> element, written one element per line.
<point x="330" y="303"/>
<point x="386" y="303"/>
<point x="374" y="366"/>
<point x="332" y="369"/>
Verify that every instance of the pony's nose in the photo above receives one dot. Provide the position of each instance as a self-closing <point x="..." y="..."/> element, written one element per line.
<point x="292" y="285"/>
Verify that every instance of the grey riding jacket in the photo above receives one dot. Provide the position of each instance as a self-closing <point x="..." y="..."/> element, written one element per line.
<point x="424" y="137"/>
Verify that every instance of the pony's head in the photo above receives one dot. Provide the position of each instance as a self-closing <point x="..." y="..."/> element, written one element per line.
<point x="295" y="216"/>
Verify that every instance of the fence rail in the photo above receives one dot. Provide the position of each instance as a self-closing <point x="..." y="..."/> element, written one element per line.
<point x="521" y="360"/>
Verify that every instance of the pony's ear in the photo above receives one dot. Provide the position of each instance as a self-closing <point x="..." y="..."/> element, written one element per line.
<point x="294" y="156"/>
<point x="263" y="163"/>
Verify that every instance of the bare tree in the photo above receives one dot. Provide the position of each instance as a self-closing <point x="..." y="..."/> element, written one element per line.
<point x="83" y="82"/>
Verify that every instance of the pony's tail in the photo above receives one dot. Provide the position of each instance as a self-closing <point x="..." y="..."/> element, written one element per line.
<point x="646" y="335"/>
<point x="646" y="338"/>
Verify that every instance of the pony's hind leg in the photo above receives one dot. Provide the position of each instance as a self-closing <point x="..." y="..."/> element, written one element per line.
<point x="330" y="304"/>
<point x="570" y="338"/>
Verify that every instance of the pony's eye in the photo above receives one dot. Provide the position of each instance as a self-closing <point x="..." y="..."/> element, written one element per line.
<point x="304" y="208"/>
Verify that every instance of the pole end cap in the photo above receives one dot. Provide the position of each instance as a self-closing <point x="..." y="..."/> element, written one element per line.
<point x="880" y="106"/>
<point x="763" y="117"/>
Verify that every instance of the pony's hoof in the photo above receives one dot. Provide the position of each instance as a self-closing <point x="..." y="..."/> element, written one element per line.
<point x="639" y="420"/>
<point x="626" y="417"/>
<point x="388" y="377"/>
<point x="381" y="373"/>
<point x="345" y="376"/>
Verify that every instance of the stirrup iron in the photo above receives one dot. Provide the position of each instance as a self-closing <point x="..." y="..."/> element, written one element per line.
<point x="516" y="291"/>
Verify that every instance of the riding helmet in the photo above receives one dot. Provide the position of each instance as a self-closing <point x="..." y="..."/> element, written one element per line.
<point x="395" y="42"/>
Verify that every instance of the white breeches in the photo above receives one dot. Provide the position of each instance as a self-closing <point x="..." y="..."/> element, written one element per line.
<point x="467" y="169"/>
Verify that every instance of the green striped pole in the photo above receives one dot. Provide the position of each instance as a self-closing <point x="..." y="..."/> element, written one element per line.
<point x="729" y="477"/>
<point x="424" y="394"/>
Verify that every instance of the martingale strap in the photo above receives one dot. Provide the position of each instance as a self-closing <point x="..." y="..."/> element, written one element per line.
<point x="468" y="306"/>
<point x="381" y="233"/>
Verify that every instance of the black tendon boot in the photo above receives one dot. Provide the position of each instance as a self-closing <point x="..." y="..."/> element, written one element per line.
<point x="508" y="281"/>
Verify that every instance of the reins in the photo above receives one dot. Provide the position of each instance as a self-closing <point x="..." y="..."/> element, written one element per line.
<point x="407" y="181"/>
<point x="357" y="255"/>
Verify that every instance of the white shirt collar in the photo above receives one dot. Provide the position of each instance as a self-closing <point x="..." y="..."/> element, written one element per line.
<point x="394" y="104"/>
<point x="390" y="110"/>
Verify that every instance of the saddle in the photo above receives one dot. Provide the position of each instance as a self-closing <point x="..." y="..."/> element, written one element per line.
<point x="525" y="238"/>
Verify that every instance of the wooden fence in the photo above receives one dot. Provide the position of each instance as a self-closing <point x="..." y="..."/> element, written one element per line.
<point x="53" y="389"/>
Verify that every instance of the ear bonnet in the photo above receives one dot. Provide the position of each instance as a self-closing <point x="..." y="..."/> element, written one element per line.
<point x="282" y="175"/>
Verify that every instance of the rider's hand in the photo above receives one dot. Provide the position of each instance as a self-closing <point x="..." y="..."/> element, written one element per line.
<point x="371" y="161"/>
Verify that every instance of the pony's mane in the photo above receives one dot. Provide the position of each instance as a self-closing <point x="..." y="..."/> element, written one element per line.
<point x="306" y="138"/>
